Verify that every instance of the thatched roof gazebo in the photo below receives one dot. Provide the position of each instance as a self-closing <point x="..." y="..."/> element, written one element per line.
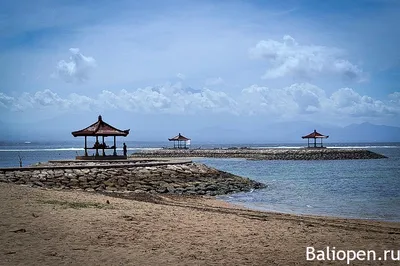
<point x="180" y="141"/>
<point x="101" y="129"/>
<point x="315" y="135"/>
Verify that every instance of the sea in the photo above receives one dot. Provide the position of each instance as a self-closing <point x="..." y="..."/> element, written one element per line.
<point x="364" y="189"/>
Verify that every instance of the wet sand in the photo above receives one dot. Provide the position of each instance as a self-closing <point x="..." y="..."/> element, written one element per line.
<point x="49" y="227"/>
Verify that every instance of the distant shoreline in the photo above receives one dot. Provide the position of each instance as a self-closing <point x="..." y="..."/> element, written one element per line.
<point x="265" y="154"/>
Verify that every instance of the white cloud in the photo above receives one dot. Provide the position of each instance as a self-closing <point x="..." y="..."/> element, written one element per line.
<point x="309" y="98"/>
<point x="39" y="100"/>
<point x="306" y="99"/>
<point x="289" y="58"/>
<point x="77" y="69"/>
<point x="80" y="102"/>
<point x="47" y="98"/>
<point x="298" y="101"/>
<point x="395" y="98"/>
<point x="6" y="101"/>
<point x="347" y="101"/>
<point x="171" y="99"/>
<point x="263" y="100"/>
<point x="214" y="81"/>
<point x="289" y="101"/>
<point x="181" y="76"/>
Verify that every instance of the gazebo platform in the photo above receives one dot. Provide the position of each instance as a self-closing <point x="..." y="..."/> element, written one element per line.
<point x="99" y="158"/>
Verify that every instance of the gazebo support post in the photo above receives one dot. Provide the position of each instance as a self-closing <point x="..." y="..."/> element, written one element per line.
<point x="115" y="148"/>
<point x="103" y="146"/>
<point x="315" y="142"/>
<point x="86" y="146"/>
<point x="308" y="143"/>
<point x="97" y="147"/>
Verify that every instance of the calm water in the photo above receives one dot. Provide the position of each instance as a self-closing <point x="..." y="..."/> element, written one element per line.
<point x="367" y="189"/>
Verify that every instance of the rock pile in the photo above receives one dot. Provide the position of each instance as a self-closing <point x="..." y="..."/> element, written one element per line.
<point x="265" y="154"/>
<point x="186" y="178"/>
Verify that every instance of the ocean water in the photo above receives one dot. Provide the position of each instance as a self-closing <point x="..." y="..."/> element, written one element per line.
<point x="367" y="189"/>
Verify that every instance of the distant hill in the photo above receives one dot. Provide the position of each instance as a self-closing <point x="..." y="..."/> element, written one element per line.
<point x="292" y="132"/>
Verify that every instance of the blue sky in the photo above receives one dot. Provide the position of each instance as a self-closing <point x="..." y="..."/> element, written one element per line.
<point x="168" y="66"/>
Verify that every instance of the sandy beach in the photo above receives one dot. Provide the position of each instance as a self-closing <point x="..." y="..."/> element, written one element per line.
<point x="49" y="227"/>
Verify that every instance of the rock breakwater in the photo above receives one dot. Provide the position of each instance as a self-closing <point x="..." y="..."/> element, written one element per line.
<point x="177" y="178"/>
<point x="265" y="154"/>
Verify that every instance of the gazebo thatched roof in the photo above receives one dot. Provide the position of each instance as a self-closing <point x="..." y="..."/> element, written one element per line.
<point x="179" y="137"/>
<point x="315" y="135"/>
<point x="100" y="128"/>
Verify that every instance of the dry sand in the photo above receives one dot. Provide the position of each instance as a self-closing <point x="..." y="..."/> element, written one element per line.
<point x="48" y="227"/>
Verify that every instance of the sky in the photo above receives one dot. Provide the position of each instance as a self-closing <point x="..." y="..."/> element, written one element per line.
<point x="163" y="67"/>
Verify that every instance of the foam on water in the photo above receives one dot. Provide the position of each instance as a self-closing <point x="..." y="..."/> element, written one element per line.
<point x="331" y="147"/>
<point x="36" y="150"/>
<point x="364" y="147"/>
<point x="72" y="149"/>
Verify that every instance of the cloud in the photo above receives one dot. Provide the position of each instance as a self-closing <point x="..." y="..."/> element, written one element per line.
<point x="77" y="69"/>
<point x="395" y="98"/>
<point x="309" y="98"/>
<point x="47" y="98"/>
<point x="299" y="101"/>
<point x="289" y="58"/>
<point x="6" y="101"/>
<point x="214" y="81"/>
<point x="181" y="76"/>
<point x="171" y="99"/>
<point x="296" y="99"/>
<point x="38" y="100"/>
<point x="263" y="100"/>
<point x="306" y="100"/>
<point x="347" y="101"/>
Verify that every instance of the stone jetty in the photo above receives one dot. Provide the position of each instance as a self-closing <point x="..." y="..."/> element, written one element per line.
<point x="265" y="154"/>
<point x="155" y="176"/>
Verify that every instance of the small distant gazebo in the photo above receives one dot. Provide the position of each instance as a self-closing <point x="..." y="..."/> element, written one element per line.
<point x="180" y="141"/>
<point x="315" y="135"/>
<point x="101" y="129"/>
